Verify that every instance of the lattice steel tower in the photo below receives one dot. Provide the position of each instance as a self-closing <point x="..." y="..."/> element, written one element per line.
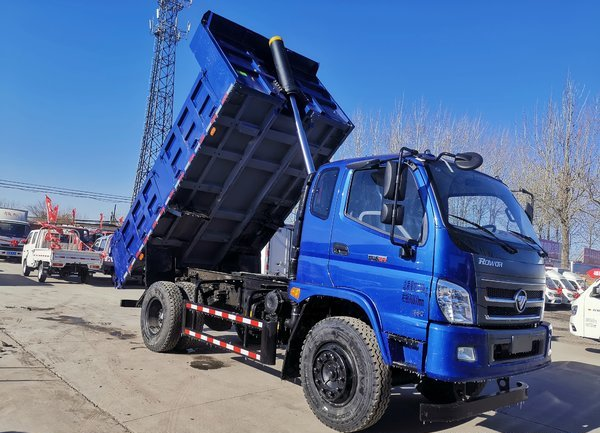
<point x="159" y="111"/>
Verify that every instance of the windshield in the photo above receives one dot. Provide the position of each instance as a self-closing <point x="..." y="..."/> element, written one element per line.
<point x="566" y="285"/>
<point x="14" y="230"/>
<point x="469" y="199"/>
<point x="550" y="283"/>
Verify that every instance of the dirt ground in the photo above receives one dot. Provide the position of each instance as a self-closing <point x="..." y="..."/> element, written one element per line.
<point x="72" y="360"/>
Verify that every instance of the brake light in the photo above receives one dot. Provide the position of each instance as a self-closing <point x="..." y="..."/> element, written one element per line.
<point x="559" y="291"/>
<point x="576" y="295"/>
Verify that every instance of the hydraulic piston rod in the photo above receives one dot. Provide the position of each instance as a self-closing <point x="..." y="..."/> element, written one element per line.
<point x="286" y="80"/>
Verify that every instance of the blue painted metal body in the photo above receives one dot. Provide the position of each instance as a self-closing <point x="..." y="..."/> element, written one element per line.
<point x="398" y="295"/>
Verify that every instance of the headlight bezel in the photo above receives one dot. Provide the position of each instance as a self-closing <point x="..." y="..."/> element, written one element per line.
<point x="454" y="302"/>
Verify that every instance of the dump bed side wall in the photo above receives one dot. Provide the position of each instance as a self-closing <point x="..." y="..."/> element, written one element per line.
<point x="230" y="170"/>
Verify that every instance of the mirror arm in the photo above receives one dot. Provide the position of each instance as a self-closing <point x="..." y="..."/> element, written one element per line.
<point x="395" y="203"/>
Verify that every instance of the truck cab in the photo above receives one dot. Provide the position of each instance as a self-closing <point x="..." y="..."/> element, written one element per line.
<point x="455" y="291"/>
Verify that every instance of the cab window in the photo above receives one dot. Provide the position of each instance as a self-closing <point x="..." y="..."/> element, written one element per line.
<point x="323" y="193"/>
<point x="365" y="201"/>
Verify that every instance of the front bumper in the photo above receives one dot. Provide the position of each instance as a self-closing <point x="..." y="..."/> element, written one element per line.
<point x="498" y="352"/>
<point x="5" y="252"/>
<point x="553" y="300"/>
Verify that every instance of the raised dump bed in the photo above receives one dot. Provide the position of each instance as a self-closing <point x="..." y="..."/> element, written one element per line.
<point x="231" y="168"/>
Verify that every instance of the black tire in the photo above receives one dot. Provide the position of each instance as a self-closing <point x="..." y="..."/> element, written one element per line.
<point x="439" y="392"/>
<point x="42" y="272"/>
<point x="26" y="269"/>
<point x="187" y="291"/>
<point x="84" y="276"/>
<point x="345" y="381"/>
<point x="160" y="318"/>
<point x="64" y="274"/>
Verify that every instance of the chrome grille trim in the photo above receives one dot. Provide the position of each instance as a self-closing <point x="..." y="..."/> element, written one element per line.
<point x="498" y="296"/>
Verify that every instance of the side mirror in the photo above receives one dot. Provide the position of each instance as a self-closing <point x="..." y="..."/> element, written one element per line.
<point x="468" y="160"/>
<point x="389" y="181"/>
<point x="386" y="214"/>
<point x="529" y="211"/>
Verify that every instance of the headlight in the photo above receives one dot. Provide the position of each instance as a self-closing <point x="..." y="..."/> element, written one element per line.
<point x="455" y="303"/>
<point x="573" y="310"/>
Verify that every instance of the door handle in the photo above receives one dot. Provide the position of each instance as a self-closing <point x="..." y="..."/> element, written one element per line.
<point x="341" y="249"/>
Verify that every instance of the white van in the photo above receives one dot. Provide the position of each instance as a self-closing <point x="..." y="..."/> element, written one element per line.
<point x="567" y="291"/>
<point x="585" y="313"/>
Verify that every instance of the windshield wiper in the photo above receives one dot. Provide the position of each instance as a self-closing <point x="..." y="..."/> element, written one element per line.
<point x="542" y="252"/>
<point x="504" y="245"/>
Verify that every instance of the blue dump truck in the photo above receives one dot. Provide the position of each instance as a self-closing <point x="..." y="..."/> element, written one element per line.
<point x="406" y="268"/>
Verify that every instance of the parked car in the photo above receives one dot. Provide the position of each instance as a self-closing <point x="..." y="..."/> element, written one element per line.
<point x="585" y="313"/>
<point x="552" y="293"/>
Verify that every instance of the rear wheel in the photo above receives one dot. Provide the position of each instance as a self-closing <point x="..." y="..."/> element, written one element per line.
<point x="161" y="316"/>
<point x="42" y="272"/>
<point x="84" y="275"/>
<point x="26" y="269"/>
<point x="345" y="381"/>
<point x="440" y="392"/>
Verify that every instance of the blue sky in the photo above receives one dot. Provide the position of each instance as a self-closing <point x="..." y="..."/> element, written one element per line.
<point x="74" y="74"/>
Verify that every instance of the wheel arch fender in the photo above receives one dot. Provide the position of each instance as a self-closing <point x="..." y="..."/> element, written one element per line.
<point x="330" y="302"/>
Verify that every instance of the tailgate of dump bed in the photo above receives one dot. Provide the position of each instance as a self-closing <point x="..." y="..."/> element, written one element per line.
<point x="231" y="169"/>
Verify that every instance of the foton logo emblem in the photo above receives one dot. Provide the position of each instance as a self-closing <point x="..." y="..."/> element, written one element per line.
<point x="520" y="300"/>
<point x="488" y="262"/>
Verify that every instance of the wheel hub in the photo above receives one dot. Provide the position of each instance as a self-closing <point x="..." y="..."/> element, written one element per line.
<point x="332" y="374"/>
<point x="155" y="316"/>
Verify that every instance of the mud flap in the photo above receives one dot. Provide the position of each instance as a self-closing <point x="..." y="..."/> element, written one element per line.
<point x="465" y="409"/>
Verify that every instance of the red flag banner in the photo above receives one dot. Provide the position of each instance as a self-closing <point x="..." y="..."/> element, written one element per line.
<point x="51" y="212"/>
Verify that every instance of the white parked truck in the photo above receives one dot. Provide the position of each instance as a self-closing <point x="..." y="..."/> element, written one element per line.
<point x="13" y="231"/>
<point x="56" y="250"/>
<point x="585" y="313"/>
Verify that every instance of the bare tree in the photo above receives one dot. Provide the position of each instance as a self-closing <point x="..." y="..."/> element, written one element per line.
<point x="564" y="144"/>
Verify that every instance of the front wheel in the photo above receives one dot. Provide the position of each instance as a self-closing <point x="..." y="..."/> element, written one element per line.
<point x="26" y="269"/>
<point x="345" y="381"/>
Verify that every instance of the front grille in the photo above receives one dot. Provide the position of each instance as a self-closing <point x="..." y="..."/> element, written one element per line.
<point x="497" y="306"/>
<point x="494" y="292"/>
<point x="510" y="311"/>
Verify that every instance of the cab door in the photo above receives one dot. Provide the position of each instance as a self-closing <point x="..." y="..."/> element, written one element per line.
<point x="363" y="259"/>
<point x="29" y="247"/>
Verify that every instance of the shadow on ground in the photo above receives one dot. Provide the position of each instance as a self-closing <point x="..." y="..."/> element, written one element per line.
<point x="12" y="280"/>
<point x="564" y="396"/>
